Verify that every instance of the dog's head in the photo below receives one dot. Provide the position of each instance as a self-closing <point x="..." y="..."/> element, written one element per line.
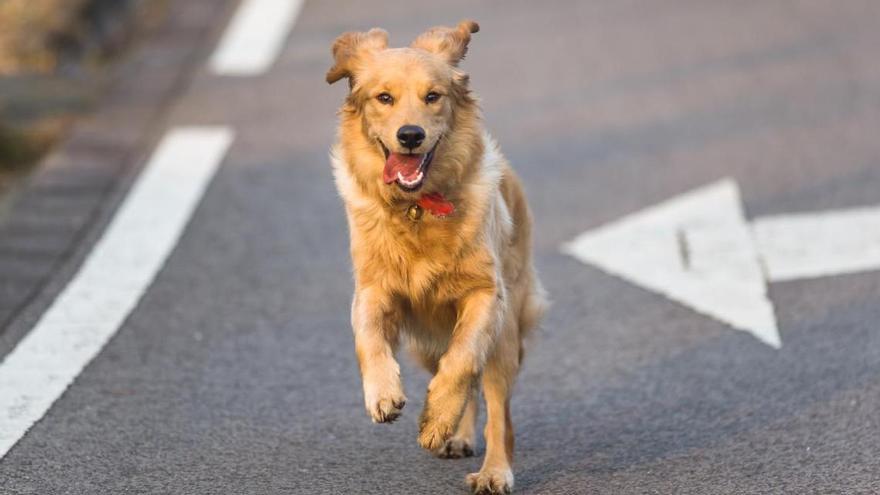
<point x="405" y="98"/>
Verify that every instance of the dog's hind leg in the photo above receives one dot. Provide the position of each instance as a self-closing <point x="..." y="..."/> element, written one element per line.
<point x="499" y="375"/>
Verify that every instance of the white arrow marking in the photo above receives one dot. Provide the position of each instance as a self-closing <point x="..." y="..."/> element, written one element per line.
<point x="698" y="250"/>
<point x="819" y="244"/>
<point x="695" y="249"/>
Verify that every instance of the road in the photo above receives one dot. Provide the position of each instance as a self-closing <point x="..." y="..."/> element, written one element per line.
<point x="235" y="371"/>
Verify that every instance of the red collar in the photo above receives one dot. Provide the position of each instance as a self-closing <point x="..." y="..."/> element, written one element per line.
<point x="436" y="204"/>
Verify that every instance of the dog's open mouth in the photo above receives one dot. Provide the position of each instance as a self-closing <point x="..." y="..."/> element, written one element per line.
<point x="407" y="169"/>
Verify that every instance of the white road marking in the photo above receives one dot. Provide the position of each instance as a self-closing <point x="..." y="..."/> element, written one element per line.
<point x="697" y="249"/>
<point x="694" y="249"/>
<point x="819" y="244"/>
<point x="254" y="37"/>
<point x="112" y="279"/>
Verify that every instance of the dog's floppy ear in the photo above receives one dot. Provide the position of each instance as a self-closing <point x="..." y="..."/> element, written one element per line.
<point x="349" y="48"/>
<point x="449" y="43"/>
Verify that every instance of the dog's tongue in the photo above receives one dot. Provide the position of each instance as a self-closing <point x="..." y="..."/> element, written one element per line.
<point x="407" y="165"/>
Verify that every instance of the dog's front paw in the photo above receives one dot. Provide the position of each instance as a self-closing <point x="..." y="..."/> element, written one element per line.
<point x="437" y="424"/>
<point x="491" y="481"/>
<point x="387" y="410"/>
<point x="455" y="448"/>
<point x="384" y="406"/>
<point x="444" y="406"/>
<point x="434" y="432"/>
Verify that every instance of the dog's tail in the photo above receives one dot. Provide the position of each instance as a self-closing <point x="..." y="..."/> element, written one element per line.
<point x="531" y="312"/>
<point x="533" y="308"/>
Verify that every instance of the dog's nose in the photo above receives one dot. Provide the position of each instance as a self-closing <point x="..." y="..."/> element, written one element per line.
<point x="410" y="136"/>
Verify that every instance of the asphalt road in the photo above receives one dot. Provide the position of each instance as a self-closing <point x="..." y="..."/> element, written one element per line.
<point x="236" y="373"/>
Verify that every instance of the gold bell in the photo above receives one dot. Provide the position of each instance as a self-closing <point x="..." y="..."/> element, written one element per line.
<point x="414" y="212"/>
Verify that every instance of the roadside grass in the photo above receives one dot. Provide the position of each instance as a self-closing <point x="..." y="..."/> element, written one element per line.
<point x="53" y="60"/>
<point x="32" y="32"/>
<point x="21" y="147"/>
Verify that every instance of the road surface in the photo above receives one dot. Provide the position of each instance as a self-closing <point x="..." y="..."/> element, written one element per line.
<point x="235" y="371"/>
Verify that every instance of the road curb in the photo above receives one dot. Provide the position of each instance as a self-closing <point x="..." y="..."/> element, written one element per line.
<point x="69" y="194"/>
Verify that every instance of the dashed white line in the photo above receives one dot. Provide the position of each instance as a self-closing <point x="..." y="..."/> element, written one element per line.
<point x="254" y="37"/>
<point x="112" y="279"/>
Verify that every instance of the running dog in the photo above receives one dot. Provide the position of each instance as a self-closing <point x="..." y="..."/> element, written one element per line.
<point x="440" y="242"/>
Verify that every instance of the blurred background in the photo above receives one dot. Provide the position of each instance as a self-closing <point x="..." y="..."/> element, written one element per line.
<point x="689" y="372"/>
<point x="54" y="57"/>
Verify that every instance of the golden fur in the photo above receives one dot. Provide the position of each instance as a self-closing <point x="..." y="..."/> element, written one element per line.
<point x="460" y="290"/>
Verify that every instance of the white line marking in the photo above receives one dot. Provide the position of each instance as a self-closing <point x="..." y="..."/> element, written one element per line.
<point x="819" y="244"/>
<point x="112" y="279"/>
<point x="255" y="36"/>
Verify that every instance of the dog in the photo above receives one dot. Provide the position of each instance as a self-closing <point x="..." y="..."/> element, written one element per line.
<point x="440" y="242"/>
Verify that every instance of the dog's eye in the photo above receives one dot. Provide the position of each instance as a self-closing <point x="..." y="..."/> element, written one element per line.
<point x="432" y="97"/>
<point x="385" y="99"/>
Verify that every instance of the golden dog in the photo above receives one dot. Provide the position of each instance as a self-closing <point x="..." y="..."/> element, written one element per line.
<point x="440" y="242"/>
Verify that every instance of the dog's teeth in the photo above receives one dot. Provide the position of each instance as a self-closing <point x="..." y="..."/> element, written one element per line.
<point x="410" y="183"/>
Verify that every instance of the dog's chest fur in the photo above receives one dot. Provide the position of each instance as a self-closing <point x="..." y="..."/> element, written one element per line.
<point x="434" y="261"/>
